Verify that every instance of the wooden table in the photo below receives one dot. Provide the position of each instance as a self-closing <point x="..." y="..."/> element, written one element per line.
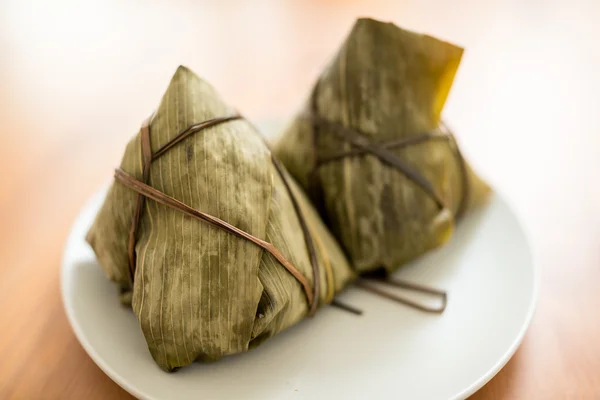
<point x="76" y="79"/>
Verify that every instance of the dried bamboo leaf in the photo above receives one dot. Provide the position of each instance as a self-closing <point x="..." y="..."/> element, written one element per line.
<point x="200" y="292"/>
<point x="385" y="84"/>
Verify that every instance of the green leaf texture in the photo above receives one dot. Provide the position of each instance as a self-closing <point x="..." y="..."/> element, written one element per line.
<point x="389" y="84"/>
<point x="201" y="293"/>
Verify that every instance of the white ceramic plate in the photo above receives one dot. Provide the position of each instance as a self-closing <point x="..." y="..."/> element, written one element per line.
<point x="390" y="352"/>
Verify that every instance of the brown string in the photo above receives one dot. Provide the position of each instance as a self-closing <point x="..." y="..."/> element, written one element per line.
<point x="408" y="286"/>
<point x="309" y="240"/>
<point x="314" y="184"/>
<point x="310" y="246"/>
<point x="392" y="144"/>
<point x="414" y="140"/>
<point x="346" y="307"/>
<point x="191" y="130"/>
<point x="363" y="146"/>
<point x="353" y="137"/>
<point x="382" y="151"/>
<point x="145" y="190"/>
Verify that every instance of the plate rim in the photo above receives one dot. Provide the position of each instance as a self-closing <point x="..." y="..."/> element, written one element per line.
<point x="468" y="391"/>
<point x="81" y="338"/>
<point x="510" y="352"/>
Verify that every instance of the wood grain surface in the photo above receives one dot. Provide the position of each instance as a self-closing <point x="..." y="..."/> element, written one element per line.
<point x="525" y="107"/>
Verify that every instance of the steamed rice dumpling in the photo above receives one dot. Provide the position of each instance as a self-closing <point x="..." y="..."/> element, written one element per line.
<point x="370" y="148"/>
<point x="211" y="242"/>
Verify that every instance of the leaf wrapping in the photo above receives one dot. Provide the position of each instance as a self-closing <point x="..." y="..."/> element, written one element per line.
<point x="386" y="84"/>
<point x="199" y="292"/>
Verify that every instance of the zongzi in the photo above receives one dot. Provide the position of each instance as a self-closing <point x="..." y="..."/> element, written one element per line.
<point x="370" y="148"/>
<point x="209" y="239"/>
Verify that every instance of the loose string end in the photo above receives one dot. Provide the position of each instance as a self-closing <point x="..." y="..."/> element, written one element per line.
<point x="346" y="307"/>
<point x="443" y="296"/>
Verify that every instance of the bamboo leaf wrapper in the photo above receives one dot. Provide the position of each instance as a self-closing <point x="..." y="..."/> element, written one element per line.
<point x="385" y="85"/>
<point x="199" y="292"/>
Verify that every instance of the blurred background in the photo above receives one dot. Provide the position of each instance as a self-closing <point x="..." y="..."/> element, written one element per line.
<point x="78" y="77"/>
